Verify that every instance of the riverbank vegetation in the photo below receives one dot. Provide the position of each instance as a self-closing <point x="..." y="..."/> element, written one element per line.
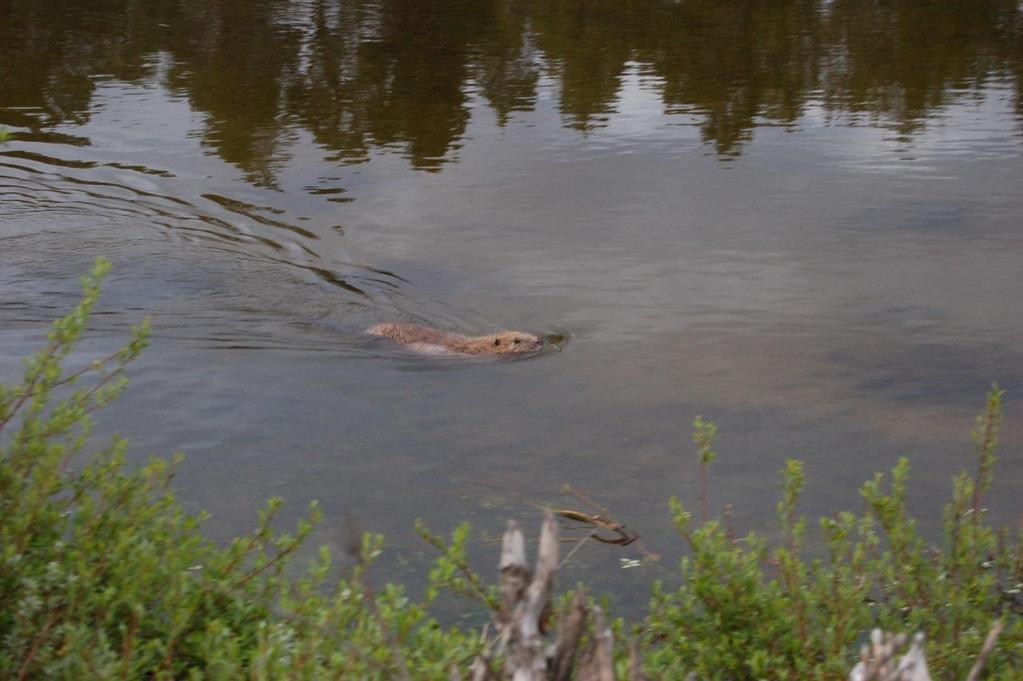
<point x="104" y="575"/>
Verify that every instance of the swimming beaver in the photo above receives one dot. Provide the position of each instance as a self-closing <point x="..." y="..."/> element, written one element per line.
<point x="432" y="341"/>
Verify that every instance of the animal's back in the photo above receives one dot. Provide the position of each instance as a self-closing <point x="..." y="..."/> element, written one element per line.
<point x="427" y="340"/>
<point x="409" y="334"/>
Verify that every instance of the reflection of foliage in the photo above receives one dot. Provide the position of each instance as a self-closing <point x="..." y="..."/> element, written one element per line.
<point x="738" y="61"/>
<point x="899" y="60"/>
<point x="393" y="75"/>
<point x="49" y="53"/>
<point x="507" y="73"/>
<point x="583" y="41"/>
<point x="232" y="59"/>
<point x="398" y="73"/>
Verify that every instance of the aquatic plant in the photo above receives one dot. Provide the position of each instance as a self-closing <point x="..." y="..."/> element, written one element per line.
<point x="104" y="575"/>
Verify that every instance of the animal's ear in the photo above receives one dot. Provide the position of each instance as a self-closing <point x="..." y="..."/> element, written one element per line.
<point x="497" y="342"/>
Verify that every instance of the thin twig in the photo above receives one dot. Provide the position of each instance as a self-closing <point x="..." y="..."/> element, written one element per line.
<point x="985" y="650"/>
<point x="367" y="589"/>
<point x="37" y="641"/>
<point x="95" y="365"/>
<point x="51" y="350"/>
<point x="471" y="578"/>
<point x="575" y="548"/>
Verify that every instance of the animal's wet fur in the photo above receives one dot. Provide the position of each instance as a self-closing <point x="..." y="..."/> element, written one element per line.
<point x="423" y="338"/>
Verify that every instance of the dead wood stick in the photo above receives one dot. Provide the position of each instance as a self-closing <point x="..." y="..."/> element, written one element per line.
<point x="913" y="665"/>
<point x="481" y="670"/>
<point x="530" y="663"/>
<point x="598" y="665"/>
<point x="635" y="665"/>
<point x="514" y="572"/>
<point x="985" y="650"/>
<point x="539" y="590"/>
<point x="879" y="661"/>
<point x="570" y="630"/>
<point x="585" y="499"/>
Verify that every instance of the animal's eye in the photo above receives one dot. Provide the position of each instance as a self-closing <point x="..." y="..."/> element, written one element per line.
<point x="517" y="341"/>
<point x="497" y="341"/>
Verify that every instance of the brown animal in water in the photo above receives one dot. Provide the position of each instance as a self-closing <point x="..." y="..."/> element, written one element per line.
<point x="427" y="340"/>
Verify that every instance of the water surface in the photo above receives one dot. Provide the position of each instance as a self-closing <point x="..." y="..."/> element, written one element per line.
<point x="801" y="219"/>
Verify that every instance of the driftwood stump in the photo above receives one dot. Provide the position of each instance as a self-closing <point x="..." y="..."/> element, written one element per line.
<point x="519" y="650"/>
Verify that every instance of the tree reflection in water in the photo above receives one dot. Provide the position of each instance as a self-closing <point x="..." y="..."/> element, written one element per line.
<point x="365" y="74"/>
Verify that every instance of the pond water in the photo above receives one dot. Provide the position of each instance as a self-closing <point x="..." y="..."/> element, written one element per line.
<point x="803" y="220"/>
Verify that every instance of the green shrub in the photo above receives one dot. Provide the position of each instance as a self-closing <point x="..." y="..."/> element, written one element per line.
<point x="750" y="610"/>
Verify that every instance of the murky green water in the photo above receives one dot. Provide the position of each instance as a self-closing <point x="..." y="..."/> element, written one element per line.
<point x="802" y="219"/>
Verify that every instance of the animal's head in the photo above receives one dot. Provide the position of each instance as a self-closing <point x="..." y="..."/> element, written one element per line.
<point x="504" y="343"/>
